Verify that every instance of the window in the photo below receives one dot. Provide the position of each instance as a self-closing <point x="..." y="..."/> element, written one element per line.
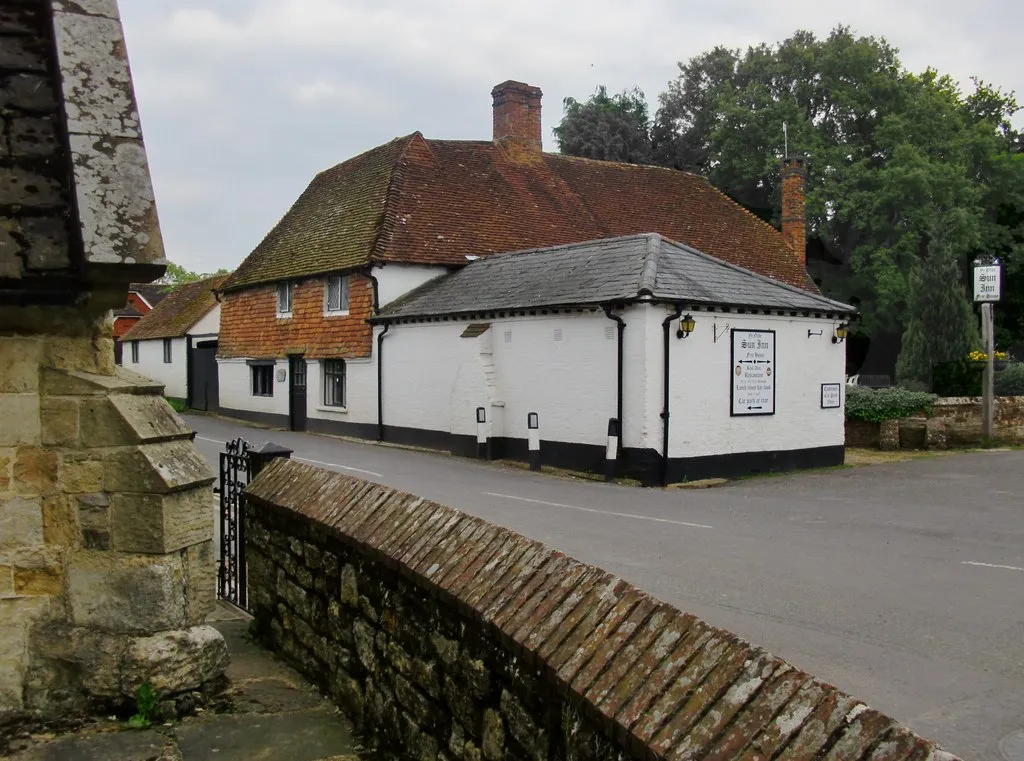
<point x="262" y="380"/>
<point x="334" y="382"/>
<point x="336" y="296"/>
<point x="135" y="352"/>
<point x="167" y="351"/>
<point x="284" y="299"/>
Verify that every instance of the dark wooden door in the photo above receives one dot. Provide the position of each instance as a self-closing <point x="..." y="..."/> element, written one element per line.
<point x="203" y="382"/>
<point x="297" y="393"/>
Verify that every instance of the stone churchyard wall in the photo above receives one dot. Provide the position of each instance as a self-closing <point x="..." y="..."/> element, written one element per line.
<point x="953" y="422"/>
<point x="446" y="637"/>
<point x="106" y="511"/>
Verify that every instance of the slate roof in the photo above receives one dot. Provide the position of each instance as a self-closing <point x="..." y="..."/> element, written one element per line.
<point x="614" y="270"/>
<point x="178" y="311"/>
<point x="435" y="201"/>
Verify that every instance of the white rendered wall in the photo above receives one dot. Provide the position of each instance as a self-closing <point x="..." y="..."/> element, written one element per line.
<point x="360" y="391"/>
<point x="435" y="380"/>
<point x="208" y="324"/>
<point x="394" y="280"/>
<point x="701" y="380"/>
<point x="236" y="388"/>
<point x="151" y="364"/>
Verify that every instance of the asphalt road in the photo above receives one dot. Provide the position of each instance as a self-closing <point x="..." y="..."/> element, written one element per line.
<point x="902" y="584"/>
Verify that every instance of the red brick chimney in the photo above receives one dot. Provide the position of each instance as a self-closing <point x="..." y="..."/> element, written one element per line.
<point x="517" y="115"/>
<point x="794" y="219"/>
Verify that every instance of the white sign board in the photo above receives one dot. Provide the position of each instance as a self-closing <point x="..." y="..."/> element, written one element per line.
<point x="753" y="372"/>
<point x="831" y="395"/>
<point x="986" y="283"/>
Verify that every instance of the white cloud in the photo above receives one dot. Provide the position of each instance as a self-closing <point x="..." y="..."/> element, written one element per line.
<point x="244" y="100"/>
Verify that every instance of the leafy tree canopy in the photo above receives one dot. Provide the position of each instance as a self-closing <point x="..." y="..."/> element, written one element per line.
<point x="176" y="275"/>
<point x="607" y="127"/>
<point x="891" y="154"/>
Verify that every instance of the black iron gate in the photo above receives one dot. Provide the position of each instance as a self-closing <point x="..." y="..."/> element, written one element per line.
<point x="235" y="472"/>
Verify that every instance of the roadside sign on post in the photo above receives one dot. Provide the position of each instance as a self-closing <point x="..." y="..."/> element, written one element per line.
<point x="986" y="282"/>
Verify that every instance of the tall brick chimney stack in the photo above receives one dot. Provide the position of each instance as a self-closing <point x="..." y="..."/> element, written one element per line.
<point x="517" y="115"/>
<point x="794" y="219"/>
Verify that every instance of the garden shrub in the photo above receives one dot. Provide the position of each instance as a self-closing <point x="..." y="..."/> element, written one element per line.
<point x="876" y="405"/>
<point x="960" y="377"/>
<point x="1010" y="382"/>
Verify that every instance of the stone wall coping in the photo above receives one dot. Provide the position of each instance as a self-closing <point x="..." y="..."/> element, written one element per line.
<point x="659" y="681"/>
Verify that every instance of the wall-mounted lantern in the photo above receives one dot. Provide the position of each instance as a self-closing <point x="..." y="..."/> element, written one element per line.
<point x="686" y="326"/>
<point x="842" y="330"/>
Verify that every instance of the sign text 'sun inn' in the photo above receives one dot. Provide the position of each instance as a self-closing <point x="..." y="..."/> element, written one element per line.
<point x="752" y="372"/>
<point x="986" y="282"/>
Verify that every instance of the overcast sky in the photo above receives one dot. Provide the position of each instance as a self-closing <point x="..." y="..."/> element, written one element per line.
<point x="243" y="101"/>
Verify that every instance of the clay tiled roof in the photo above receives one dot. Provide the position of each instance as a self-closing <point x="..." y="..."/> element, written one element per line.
<point x="153" y="293"/>
<point x="437" y="201"/>
<point x="182" y="308"/>
<point x="600" y="272"/>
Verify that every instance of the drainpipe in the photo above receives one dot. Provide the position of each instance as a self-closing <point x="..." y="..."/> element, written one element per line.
<point x="618" y="371"/>
<point x="373" y="281"/>
<point x="380" y="381"/>
<point x="666" y="328"/>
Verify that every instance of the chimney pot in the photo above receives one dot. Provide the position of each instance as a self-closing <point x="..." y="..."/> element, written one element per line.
<point x="794" y="214"/>
<point x="517" y="115"/>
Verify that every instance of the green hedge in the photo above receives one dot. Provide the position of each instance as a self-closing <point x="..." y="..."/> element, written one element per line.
<point x="876" y="405"/>
<point x="1010" y="382"/>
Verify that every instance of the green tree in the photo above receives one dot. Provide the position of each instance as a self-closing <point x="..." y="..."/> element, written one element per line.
<point x="606" y="127"/>
<point x="941" y="326"/>
<point x="890" y="152"/>
<point x="176" y="275"/>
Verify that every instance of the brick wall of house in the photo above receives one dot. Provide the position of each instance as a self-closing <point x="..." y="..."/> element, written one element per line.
<point x="249" y="326"/>
<point x="445" y="637"/>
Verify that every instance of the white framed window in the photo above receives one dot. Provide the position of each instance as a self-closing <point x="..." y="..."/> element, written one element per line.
<point x="334" y="382"/>
<point x="336" y="295"/>
<point x="262" y="379"/>
<point x="135" y="352"/>
<point x="167" y="351"/>
<point x="284" y="299"/>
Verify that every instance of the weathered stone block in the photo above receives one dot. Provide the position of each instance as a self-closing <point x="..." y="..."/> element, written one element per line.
<point x="21" y="522"/>
<point x="61" y="382"/>
<point x="523" y="728"/>
<point x="889" y="435"/>
<point x="200" y="577"/>
<point x="23" y="54"/>
<point x="115" y="200"/>
<point x="35" y="471"/>
<point x="11" y="263"/>
<point x="20" y="187"/>
<point x="19" y="358"/>
<point x="936" y="434"/>
<point x="127" y="593"/>
<point x="80" y="353"/>
<point x="47" y="243"/>
<point x="20" y="413"/>
<point x="156" y="468"/>
<point x="38" y="570"/>
<point x="159" y="523"/>
<point x="80" y="473"/>
<point x="129" y="419"/>
<point x="174" y="661"/>
<point x="493" y="745"/>
<point x="60" y="520"/>
<point x="29" y="92"/>
<point x="364" y="646"/>
<point x="33" y="136"/>
<point x="59" y="420"/>
<point x="349" y="586"/>
<point x="6" y="578"/>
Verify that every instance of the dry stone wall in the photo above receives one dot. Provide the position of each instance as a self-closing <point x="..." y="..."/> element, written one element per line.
<point x="446" y="637"/>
